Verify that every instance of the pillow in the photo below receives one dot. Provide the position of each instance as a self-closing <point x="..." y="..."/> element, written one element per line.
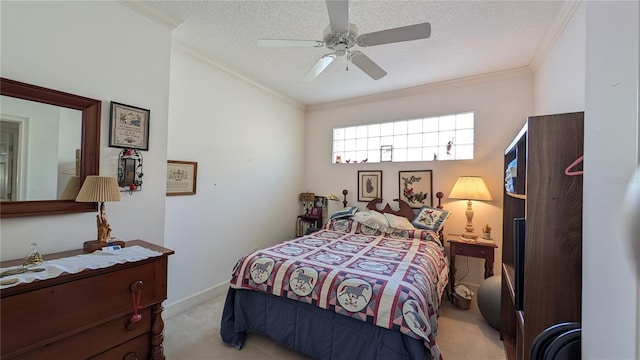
<point x="429" y="218"/>
<point x="372" y="219"/>
<point x="398" y="222"/>
<point x="346" y="212"/>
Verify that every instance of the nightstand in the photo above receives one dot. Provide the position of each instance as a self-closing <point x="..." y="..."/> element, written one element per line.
<point x="305" y="224"/>
<point x="483" y="249"/>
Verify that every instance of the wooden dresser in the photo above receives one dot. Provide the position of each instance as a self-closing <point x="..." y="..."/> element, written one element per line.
<point x="88" y="314"/>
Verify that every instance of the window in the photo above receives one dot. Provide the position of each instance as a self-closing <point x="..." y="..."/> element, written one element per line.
<point x="446" y="137"/>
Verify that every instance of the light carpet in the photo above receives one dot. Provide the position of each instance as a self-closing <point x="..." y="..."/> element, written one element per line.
<point x="195" y="335"/>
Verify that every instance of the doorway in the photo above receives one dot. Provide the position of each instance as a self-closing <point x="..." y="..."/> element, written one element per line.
<point x="9" y="138"/>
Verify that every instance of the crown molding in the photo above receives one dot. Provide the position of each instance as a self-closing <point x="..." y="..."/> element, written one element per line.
<point x="423" y="89"/>
<point x="195" y="55"/>
<point x="553" y="32"/>
<point x="153" y="13"/>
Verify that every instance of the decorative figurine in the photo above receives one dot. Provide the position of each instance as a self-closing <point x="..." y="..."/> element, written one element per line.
<point x="486" y="232"/>
<point x="33" y="258"/>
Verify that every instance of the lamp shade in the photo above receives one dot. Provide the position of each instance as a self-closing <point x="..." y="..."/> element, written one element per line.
<point x="99" y="189"/>
<point x="333" y="197"/>
<point x="307" y="196"/>
<point x="470" y="188"/>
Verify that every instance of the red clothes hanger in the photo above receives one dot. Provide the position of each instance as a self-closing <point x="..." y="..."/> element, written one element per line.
<point x="568" y="170"/>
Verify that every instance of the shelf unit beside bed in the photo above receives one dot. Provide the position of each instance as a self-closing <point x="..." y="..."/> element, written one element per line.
<point x="541" y="266"/>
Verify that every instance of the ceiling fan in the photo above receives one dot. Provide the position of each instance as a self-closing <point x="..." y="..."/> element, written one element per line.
<point x="342" y="38"/>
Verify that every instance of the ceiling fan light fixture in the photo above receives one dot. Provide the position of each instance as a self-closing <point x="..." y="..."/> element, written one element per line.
<point x="340" y="49"/>
<point x="342" y="37"/>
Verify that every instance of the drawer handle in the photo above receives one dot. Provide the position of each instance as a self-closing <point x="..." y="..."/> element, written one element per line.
<point x="130" y="356"/>
<point x="483" y="252"/>
<point x="136" y="292"/>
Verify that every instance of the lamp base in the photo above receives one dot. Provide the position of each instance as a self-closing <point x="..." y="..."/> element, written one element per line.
<point x="93" y="245"/>
<point x="469" y="236"/>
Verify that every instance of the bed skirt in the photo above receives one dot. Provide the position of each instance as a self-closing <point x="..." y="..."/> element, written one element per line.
<point x="312" y="331"/>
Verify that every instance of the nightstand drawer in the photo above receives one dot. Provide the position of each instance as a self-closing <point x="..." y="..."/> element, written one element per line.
<point x="472" y="250"/>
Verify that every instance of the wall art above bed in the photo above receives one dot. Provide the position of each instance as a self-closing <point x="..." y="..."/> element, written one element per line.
<point x="416" y="188"/>
<point x="369" y="185"/>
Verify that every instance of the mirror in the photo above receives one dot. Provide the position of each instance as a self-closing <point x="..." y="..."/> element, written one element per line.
<point x="81" y="155"/>
<point x="35" y="164"/>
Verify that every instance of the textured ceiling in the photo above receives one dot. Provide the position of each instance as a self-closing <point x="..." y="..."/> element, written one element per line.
<point x="467" y="38"/>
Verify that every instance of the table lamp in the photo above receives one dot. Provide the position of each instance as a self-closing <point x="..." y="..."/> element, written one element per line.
<point x="470" y="188"/>
<point x="100" y="189"/>
<point x="307" y="201"/>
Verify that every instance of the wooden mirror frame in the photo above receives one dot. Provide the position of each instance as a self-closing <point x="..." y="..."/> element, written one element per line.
<point x="90" y="147"/>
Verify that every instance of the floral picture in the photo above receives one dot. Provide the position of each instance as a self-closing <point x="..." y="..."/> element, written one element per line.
<point x="416" y="188"/>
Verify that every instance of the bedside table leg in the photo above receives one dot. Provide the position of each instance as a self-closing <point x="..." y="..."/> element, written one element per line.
<point x="452" y="271"/>
<point x="488" y="268"/>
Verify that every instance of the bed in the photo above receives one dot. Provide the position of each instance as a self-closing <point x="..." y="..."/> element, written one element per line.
<point x="352" y="290"/>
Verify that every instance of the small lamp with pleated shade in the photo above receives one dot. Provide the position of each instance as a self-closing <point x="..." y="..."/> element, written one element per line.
<point x="470" y="188"/>
<point x="100" y="189"/>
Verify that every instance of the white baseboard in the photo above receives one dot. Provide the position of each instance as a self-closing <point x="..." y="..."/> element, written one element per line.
<point x="194" y="300"/>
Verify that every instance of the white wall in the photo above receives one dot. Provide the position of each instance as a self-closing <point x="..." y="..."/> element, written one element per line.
<point x="560" y="78"/>
<point x="501" y="104"/>
<point x="611" y="117"/>
<point x="101" y="50"/>
<point x="594" y="66"/>
<point x="249" y="146"/>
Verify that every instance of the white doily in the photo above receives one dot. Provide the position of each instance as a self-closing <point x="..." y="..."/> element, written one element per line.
<point x="75" y="264"/>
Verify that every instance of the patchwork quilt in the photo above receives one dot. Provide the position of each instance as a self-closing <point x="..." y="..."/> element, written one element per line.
<point x="392" y="280"/>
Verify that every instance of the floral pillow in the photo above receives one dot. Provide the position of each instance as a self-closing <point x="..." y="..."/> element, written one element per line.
<point x="430" y="218"/>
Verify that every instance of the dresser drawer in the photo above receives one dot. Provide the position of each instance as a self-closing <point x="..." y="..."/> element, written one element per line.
<point x="473" y="250"/>
<point x="92" y="341"/>
<point x="73" y="307"/>
<point x="136" y="349"/>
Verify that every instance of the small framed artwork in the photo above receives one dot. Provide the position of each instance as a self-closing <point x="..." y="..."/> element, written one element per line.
<point x="129" y="127"/>
<point x="416" y="188"/>
<point x="181" y="177"/>
<point x="369" y="185"/>
<point x="386" y="153"/>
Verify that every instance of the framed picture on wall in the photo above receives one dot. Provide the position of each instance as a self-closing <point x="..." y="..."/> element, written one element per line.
<point x="369" y="185"/>
<point x="386" y="153"/>
<point x="181" y="177"/>
<point x="416" y="188"/>
<point x="129" y="127"/>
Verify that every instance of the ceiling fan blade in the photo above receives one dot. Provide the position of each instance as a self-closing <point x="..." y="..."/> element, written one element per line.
<point x="319" y="67"/>
<point x="367" y="65"/>
<point x="290" y="43"/>
<point x="338" y="15"/>
<point x="404" y="33"/>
